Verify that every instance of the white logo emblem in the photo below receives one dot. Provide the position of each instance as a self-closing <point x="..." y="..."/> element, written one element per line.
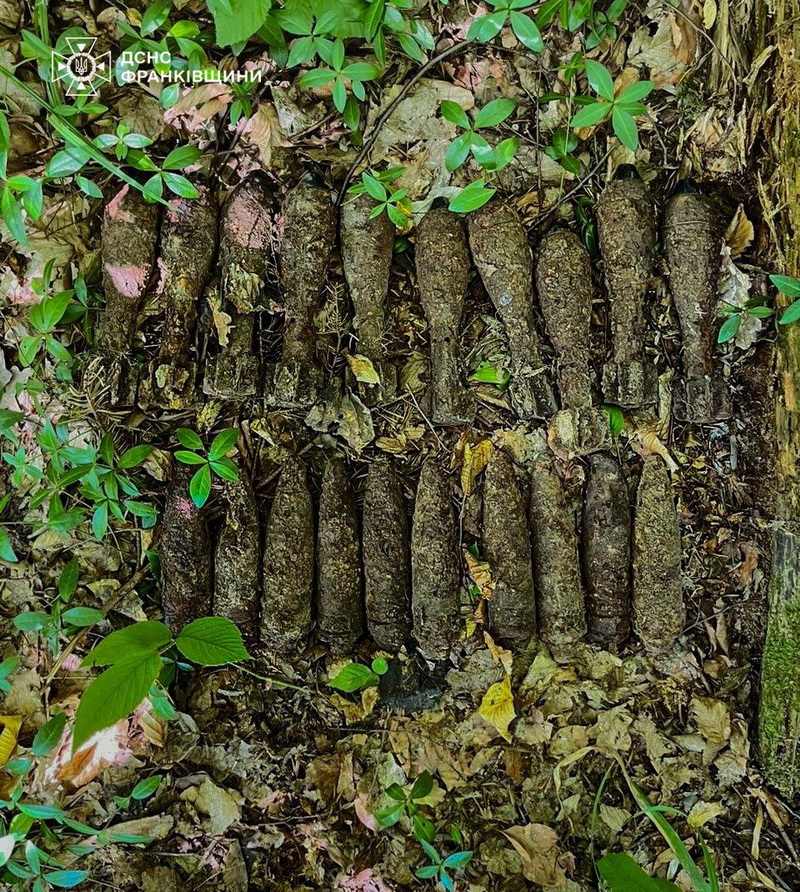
<point x="81" y="71"/>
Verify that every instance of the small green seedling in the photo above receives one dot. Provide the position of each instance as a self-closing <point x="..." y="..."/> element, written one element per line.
<point x="492" y="114"/>
<point x="789" y="286"/>
<point x="752" y="308"/>
<point x="489" y="373"/>
<point x="488" y="26"/>
<point x="216" y="460"/>
<point x="440" y="867"/>
<point x="622" y="109"/>
<point x="393" y="202"/>
<point x="562" y="145"/>
<point x="406" y="804"/>
<point x="356" y="676"/>
<point x="144" y="789"/>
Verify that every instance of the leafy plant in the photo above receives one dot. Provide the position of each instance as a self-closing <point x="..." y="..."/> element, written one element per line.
<point x="563" y="143"/>
<point x="789" y="286"/>
<point x="406" y="804"/>
<point x="214" y="460"/>
<point x="471" y="197"/>
<point x="340" y="73"/>
<point x="441" y="866"/>
<point x="142" y="656"/>
<point x="488" y="373"/>
<point x="393" y="202"/>
<point x="357" y="676"/>
<point x="752" y="308"/>
<point x="572" y="14"/>
<point x="622" y="109"/>
<point x="142" y="790"/>
<point x="492" y="114"/>
<point x="525" y="29"/>
<point x="7" y="667"/>
<point x="61" y="618"/>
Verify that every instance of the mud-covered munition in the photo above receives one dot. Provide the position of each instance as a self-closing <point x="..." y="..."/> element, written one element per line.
<point x="309" y="230"/>
<point x="185" y="554"/>
<point x="435" y="564"/>
<point x="385" y="548"/>
<point x="626" y="225"/>
<point x="512" y="609"/>
<point x="606" y="551"/>
<point x="129" y="236"/>
<point x="556" y="568"/>
<point x="659" y="614"/>
<point x="244" y="256"/>
<point x="367" y="248"/>
<point x="188" y="244"/>
<point x="503" y="258"/>
<point x="443" y="266"/>
<point x="288" y="573"/>
<point x="693" y="236"/>
<point x="237" y="559"/>
<point x="340" y="611"/>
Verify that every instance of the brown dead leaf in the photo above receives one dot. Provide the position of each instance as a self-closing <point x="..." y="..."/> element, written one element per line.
<point x="713" y="719"/>
<point x="264" y="132"/>
<point x="740" y="233"/>
<point x="537" y="845"/>
<point x="499" y="654"/>
<point x="685" y="24"/>
<point x="219" y="319"/>
<point x="481" y="574"/>
<point x="475" y="460"/>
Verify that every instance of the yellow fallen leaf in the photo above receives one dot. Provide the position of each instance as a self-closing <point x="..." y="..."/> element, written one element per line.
<point x="10" y="725"/>
<point x="740" y="233"/>
<point x="481" y="574"/>
<point x="362" y="368"/>
<point x="713" y="719"/>
<point x="497" y="707"/>
<point x="220" y="319"/>
<point x="499" y="654"/>
<point x="475" y="460"/>
<point x="702" y="812"/>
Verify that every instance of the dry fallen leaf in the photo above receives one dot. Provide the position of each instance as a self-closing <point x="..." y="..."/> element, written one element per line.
<point x="220" y="320"/>
<point x="481" y="574"/>
<point x="10" y="725"/>
<point x="702" y="812"/>
<point x="740" y="233"/>
<point x="537" y="846"/>
<point x="499" y="654"/>
<point x="475" y="460"/>
<point x="497" y="707"/>
<point x="362" y="368"/>
<point x="713" y="719"/>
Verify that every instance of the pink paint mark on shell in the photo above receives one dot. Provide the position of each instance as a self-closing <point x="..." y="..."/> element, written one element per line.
<point x="185" y="507"/>
<point x="129" y="281"/>
<point x="115" y="209"/>
<point x="247" y="221"/>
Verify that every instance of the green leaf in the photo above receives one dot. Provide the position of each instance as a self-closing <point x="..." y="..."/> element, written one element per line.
<point x="48" y="736"/>
<point x="361" y="71"/>
<point x="787" y="285"/>
<point x="11" y="210"/>
<point x="145" y="788"/>
<point x="457" y="152"/>
<point x="486" y="27"/>
<point x="200" y="486"/>
<point x="133" y="457"/>
<point x="622" y="874"/>
<point x="223" y="443"/>
<point x="428" y="872"/>
<point x="68" y="580"/>
<point x="422" y="786"/>
<point x="527" y="31"/>
<point x="40" y="812"/>
<point x="625" y="129"/>
<point x="8" y="666"/>
<point x="318" y="77"/>
<point x="66" y="162"/>
<point x="471" y="197"/>
<point x="31" y="622"/>
<point x="729" y="328"/>
<point x="590" y="115"/>
<point x="179" y="185"/>
<point x="380" y="666"/>
<point x="88" y="187"/>
<point x="225" y="468"/>
<point x="457" y="859"/>
<point x="190" y="458"/>
<point x="66" y="879"/>
<point x="453" y="112"/>
<point x="212" y="641"/>
<point x="238" y="20"/>
<point x="494" y="112"/>
<point x="616" y="419"/>
<point x="599" y="79"/>
<point x="114" y="695"/>
<point x="100" y="521"/>
<point x="353" y="677"/>
<point x="82" y="616"/>
<point x="790" y="314"/>
<point x="636" y="92"/>
<point x="141" y="638"/>
<point x="6" y="549"/>
<point x="423" y="828"/>
<point x="188" y="438"/>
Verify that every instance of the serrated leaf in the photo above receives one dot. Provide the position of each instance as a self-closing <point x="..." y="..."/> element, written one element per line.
<point x="113" y="695"/>
<point x="141" y="638"/>
<point x="353" y="677"/>
<point x="212" y="641"/>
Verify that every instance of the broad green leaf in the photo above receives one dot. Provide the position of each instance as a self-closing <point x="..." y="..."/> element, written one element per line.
<point x="318" y="77"/>
<point x="141" y="638"/>
<point x="145" y="788"/>
<point x="223" y="443"/>
<point x="590" y="115"/>
<point x="729" y="328"/>
<point x="179" y="185"/>
<point x="133" y="457"/>
<point x="66" y="162"/>
<point x="361" y="71"/>
<point x="190" y="458"/>
<point x="422" y="786"/>
<point x="423" y="828"/>
<point x="11" y="210"/>
<point x="380" y="666"/>
<point x="457" y="152"/>
<point x="66" y="879"/>
<point x="238" y="20"/>
<point x="31" y="622"/>
<point x="471" y="197"/>
<point x="486" y="27"/>
<point x="428" y="872"/>
<point x="353" y="677"/>
<point x="68" y="580"/>
<point x="225" y="468"/>
<point x="48" y="736"/>
<point x="41" y="812"/>
<point x="599" y="79"/>
<point x="787" y="285"/>
<point x="453" y="112"/>
<point x="790" y="314"/>
<point x="114" y="694"/>
<point x="494" y="112"/>
<point x="82" y="616"/>
<point x="636" y="92"/>
<point x="622" y="874"/>
<point x="212" y="641"/>
<point x="6" y="549"/>
<point x="527" y="31"/>
<point x="625" y="129"/>
<point x="616" y="419"/>
<point x="457" y="859"/>
<point x="200" y="486"/>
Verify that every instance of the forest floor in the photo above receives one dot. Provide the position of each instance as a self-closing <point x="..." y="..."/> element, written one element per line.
<point x="276" y="786"/>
